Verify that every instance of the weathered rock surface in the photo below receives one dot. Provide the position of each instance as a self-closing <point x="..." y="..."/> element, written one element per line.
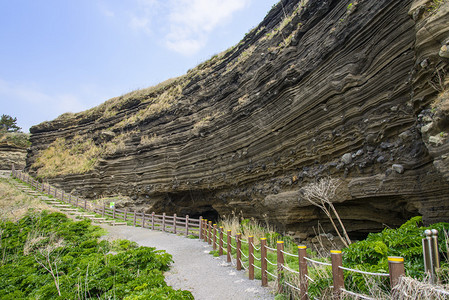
<point x="329" y="90"/>
<point x="10" y="154"/>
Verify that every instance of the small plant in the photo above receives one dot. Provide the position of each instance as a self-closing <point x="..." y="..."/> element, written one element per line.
<point x="349" y="7"/>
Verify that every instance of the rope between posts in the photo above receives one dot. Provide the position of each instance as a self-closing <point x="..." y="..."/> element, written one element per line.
<point x="289" y="253"/>
<point x="272" y="275"/>
<point x="243" y="241"/>
<point x="363" y="272"/>
<point x="307" y="276"/>
<point x="243" y="265"/>
<point x="288" y="269"/>
<point x="272" y="249"/>
<point x="270" y="262"/>
<point x="317" y="262"/>
<point x="232" y="262"/>
<point x="292" y="286"/>
<point x="233" y="247"/>
<point x="243" y="253"/>
<point x="255" y="248"/>
<point x="259" y="259"/>
<point x="256" y="266"/>
<point x="356" y="295"/>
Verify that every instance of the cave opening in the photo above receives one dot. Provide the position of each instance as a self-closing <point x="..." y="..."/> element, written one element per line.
<point x="193" y="203"/>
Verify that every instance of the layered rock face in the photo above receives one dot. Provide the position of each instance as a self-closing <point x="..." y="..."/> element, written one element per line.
<point x="319" y="88"/>
<point x="12" y="155"/>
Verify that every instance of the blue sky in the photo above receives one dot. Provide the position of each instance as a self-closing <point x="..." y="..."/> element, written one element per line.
<point x="60" y="56"/>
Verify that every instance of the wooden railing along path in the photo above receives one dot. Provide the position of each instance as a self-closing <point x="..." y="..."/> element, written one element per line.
<point x="166" y="223"/>
<point x="253" y="259"/>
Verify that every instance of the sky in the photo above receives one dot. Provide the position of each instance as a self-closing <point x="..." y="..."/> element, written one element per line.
<point x="60" y="56"/>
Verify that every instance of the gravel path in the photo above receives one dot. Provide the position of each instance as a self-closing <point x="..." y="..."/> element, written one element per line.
<point x="194" y="269"/>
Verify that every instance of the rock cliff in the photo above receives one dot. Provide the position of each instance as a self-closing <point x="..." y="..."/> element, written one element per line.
<point x="355" y="90"/>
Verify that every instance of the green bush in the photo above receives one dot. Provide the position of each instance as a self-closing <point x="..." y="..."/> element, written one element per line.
<point x="44" y="251"/>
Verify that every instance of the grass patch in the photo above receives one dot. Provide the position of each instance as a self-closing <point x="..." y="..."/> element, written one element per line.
<point x="14" y="204"/>
<point x="48" y="256"/>
<point x="17" y="139"/>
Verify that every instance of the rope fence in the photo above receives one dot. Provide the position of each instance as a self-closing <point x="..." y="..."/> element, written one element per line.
<point x="240" y="253"/>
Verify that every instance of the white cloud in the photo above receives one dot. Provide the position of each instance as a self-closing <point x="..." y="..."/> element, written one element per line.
<point x="140" y="19"/>
<point x="191" y="21"/>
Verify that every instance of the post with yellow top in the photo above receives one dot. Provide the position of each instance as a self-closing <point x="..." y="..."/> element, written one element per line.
<point x="280" y="263"/>
<point x="215" y="237"/>
<point x="209" y="238"/>
<point x="303" y="283"/>
<point x="205" y="230"/>
<point x="228" y="246"/>
<point x="337" y="272"/>
<point x="263" y="261"/>
<point x="239" y="248"/>
<point x="396" y="269"/>
<point x="220" y="242"/>
<point x="251" y="258"/>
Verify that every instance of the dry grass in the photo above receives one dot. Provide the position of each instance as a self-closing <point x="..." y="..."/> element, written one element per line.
<point x="146" y="140"/>
<point x="247" y="227"/>
<point x="15" y="204"/>
<point x="410" y="288"/>
<point x="61" y="157"/>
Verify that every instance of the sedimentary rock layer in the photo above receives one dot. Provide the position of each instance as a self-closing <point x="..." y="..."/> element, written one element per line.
<point x="319" y="88"/>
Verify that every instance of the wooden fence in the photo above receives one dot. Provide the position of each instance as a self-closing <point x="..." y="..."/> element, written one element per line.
<point x="251" y="259"/>
<point x="166" y="223"/>
<point x="257" y="258"/>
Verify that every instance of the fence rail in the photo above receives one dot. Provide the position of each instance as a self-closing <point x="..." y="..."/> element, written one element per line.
<point x="166" y="223"/>
<point x="257" y="258"/>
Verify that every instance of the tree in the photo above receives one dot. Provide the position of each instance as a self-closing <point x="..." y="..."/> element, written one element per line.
<point x="321" y="194"/>
<point x="8" y="123"/>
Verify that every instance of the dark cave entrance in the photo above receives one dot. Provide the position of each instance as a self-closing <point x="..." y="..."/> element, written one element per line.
<point x="193" y="203"/>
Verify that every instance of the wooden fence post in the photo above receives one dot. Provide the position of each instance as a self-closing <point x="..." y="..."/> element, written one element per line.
<point x="205" y="230"/>
<point x="263" y="261"/>
<point x="250" y="258"/>
<point x="187" y="225"/>
<point x="337" y="272"/>
<point x="174" y="223"/>
<point x="125" y="214"/>
<point x="396" y="269"/>
<point x="113" y="212"/>
<point x="163" y="222"/>
<point x="220" y="242"/>
<point x="152" y="220"/>
<point x="280" y="263"/>
<point x="209" y="240"/>
<point x="214" y="240"/>
<point x="104" y="208"/>
<point x="239" y="248"/>
<point x="70" y="198"/>
<point x="77" y="199"/>
<point x="303" y="282"/>
<point x="228" y="246"/>
<point x="62" y="196"/>
<point x="143" y="219"/>
<point x="200" y="233"/>
<point x="85" y="204"/>
<point x="135" y="217"/>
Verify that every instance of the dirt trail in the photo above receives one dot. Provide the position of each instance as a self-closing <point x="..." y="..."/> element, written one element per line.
<point x="194" y="269"/>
